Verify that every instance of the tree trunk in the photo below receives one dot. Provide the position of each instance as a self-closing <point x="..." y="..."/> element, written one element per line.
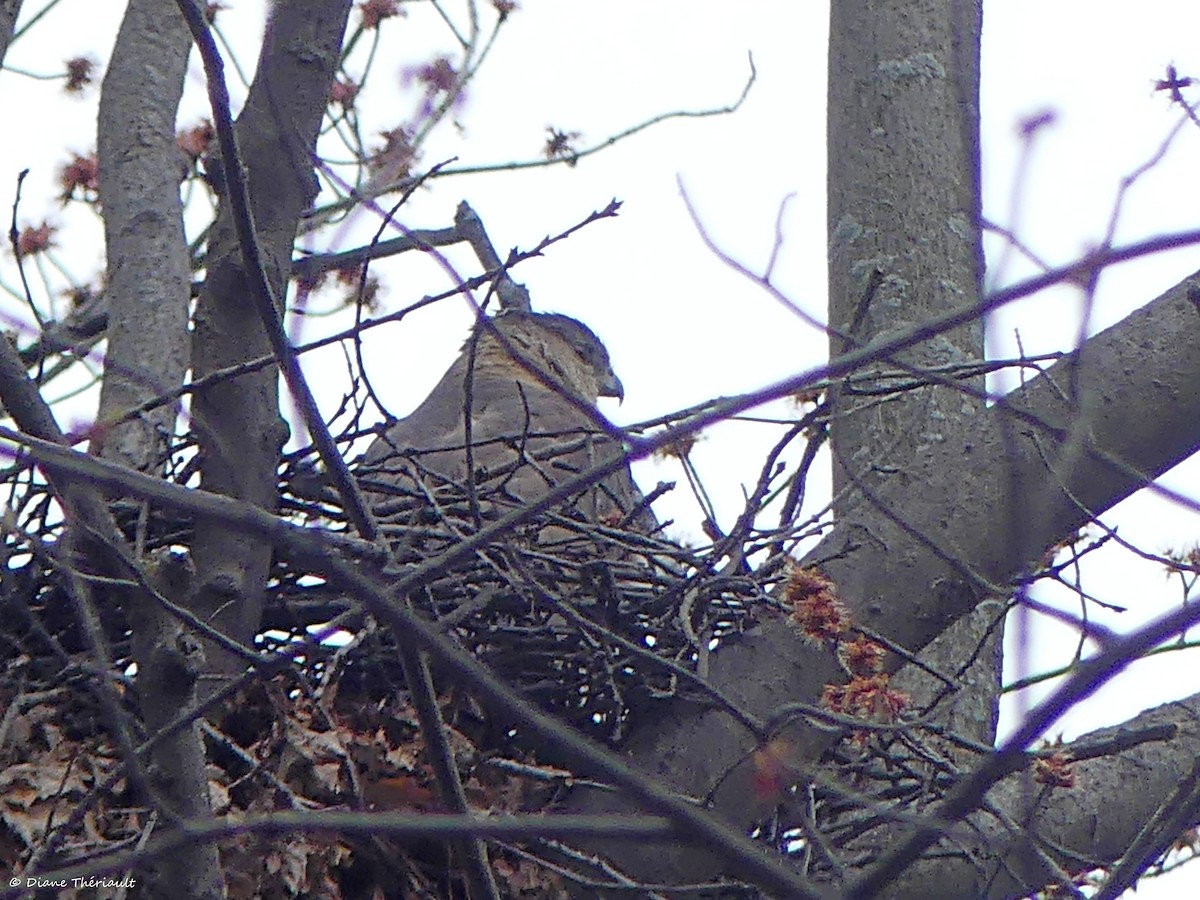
<point x="238" y="420"/>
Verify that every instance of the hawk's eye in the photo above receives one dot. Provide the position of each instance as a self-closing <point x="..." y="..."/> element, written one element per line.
<point x="592" y="351"/>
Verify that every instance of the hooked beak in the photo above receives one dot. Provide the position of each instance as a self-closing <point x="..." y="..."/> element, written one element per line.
<point x="610" y="386"/>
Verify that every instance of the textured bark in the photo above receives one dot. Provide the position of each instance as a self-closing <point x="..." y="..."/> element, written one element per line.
<point x="170" y="660"/>
<point x="238" y="419"/>
<point x="148" y="280"/>
<point x="903" y="208"/>
<point x="994" y="475"/>
<point x="903" y="188"/>
<point x="904" y="247"/>
<point x="9" y="10"/>
<point x="958" y="500"/>
<point x="147" y="286"/>
<point x="947" y="499"/>
<point x="1095" y="822"/>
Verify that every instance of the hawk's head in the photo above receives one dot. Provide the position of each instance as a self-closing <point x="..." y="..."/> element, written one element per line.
<point x="563" y="347"/>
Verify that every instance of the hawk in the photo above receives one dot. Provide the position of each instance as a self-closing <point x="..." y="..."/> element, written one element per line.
<point x="564" y="607"/>
<point x="523" y="387"/>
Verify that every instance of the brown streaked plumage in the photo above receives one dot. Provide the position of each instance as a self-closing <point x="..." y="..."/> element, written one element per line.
<point x="526" y="436"/>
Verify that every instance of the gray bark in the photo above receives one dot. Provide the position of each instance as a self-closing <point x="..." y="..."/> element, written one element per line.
<point x="148" y="277"/>
<point x="967" y="499"/>
<point x="238" y="420"/>
<point x="9" y="10"/>
<point x="147" y="286"/>
<point x="904" y="247"/>
<point x="1002" y="470"/>
<point x="949" y="503"/>
<point x="1006" y="852"/>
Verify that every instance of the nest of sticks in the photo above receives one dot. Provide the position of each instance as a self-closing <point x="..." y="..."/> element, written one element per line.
<point x="593" y="622"/>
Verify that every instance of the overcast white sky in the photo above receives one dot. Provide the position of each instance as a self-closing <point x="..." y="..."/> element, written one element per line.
<point x="680" y="325"/>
